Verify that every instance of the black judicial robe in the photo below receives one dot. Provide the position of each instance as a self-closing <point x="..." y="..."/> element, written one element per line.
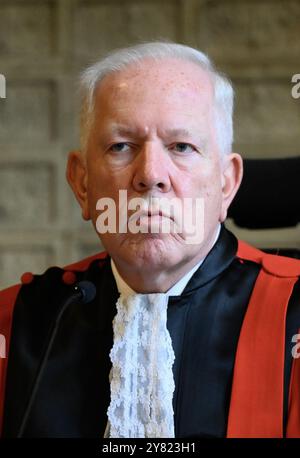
<point x="74" y="393"/>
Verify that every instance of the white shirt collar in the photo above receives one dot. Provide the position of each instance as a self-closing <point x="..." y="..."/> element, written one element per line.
<point x="175" y="290"/>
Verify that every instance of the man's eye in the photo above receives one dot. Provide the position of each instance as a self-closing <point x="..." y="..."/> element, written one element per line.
<point x="183" y="148"/>
<point x="119" y="147"/>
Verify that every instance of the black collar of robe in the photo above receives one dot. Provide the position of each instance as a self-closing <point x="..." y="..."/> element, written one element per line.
<point x="74" y="394"/>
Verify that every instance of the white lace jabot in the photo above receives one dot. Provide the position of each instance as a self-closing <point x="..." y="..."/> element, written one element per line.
<point x="141" y="377"/>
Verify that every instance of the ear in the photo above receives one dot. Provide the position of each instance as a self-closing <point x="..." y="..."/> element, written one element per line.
<point x="232" y="174"/>
<point x="76" y="175"/>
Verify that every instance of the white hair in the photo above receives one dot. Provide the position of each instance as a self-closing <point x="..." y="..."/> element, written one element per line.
<point x="121" y="58"/>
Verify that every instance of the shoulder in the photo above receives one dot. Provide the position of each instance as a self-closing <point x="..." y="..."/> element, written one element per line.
<point x="53" y="280"/>
<point x="280" y="266"/>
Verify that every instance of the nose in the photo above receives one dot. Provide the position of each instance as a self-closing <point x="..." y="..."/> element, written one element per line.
<point x="152" y="170"/>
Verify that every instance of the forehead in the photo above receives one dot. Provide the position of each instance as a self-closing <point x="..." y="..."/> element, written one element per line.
<point x="167" y="82"/>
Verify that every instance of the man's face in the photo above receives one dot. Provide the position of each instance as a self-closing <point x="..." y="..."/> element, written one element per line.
<point x="154" y="135"/>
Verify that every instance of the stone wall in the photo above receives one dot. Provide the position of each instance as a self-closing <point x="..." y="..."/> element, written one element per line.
<point x="43" y="46"/>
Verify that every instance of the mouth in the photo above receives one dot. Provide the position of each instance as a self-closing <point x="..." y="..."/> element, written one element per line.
<point x="159" y="213"/>
<point x="144" y="214"/>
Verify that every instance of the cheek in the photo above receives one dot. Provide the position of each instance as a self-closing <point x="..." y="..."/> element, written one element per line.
<point x="102" y="184"/>
<point x="99" y="179"/>
<point x="213" y="203"/>
<point x="210" y="188"/>
<point x="207" y="182"/>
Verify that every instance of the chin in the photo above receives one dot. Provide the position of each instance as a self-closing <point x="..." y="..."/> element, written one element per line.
<point x="151" y="250"/>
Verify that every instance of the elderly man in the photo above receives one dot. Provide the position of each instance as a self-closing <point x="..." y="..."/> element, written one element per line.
<point x="184" y="336"/>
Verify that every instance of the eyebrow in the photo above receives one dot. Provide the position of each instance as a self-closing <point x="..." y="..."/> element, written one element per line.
<point x="123" y="130"/>
<point x="117" y="129"/>
<point x="180" y="132"/>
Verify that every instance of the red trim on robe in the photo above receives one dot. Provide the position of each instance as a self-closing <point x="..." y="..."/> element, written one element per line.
<point x="293" y="427"/>
<point x="256" y="405"/>
<point x="7" y="303"/>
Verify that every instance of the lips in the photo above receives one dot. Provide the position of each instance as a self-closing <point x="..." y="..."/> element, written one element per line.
<point x="159" y="213"/>
<point x="148" y="213"/>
